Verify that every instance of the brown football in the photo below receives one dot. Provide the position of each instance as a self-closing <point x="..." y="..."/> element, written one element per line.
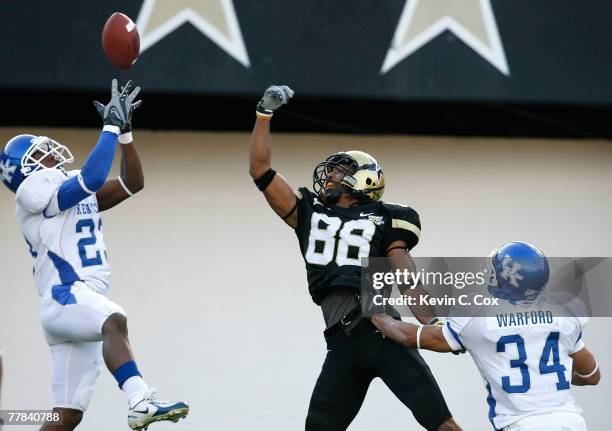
<point x="120" y="41"/>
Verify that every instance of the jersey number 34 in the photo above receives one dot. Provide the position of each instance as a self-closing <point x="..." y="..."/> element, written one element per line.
<point x="550" y="348"/>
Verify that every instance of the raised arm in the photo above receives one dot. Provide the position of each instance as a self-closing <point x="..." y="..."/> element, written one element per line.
<point x="276" y="189"/>
<point x="131" y="178"/>
<point x="431" y="337"/>
<point x="91" y="179"/>
<point x="129" y="182"/>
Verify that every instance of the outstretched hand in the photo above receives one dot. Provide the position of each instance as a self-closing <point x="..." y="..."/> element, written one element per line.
<point x="119" y="110"/>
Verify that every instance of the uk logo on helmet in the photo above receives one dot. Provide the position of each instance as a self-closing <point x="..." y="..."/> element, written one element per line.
<point x="510" y="271"/>
<point x="7" y="170"/>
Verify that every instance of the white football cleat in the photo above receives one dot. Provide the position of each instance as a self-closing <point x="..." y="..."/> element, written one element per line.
<point x="153" y="409"/>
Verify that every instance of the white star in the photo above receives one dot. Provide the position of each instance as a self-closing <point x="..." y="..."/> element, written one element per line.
<point x="471" y="20"/>
<point x="216" y="19"/>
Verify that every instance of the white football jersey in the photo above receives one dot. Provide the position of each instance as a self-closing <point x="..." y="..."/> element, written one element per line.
<point x="65" y="245"/>
<point x="524" y="359"/>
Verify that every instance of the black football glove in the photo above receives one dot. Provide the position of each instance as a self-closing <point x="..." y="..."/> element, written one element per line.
<point x="126" y="92"/>
<point x="118" y="112"/>
<point x="273" y="98"/>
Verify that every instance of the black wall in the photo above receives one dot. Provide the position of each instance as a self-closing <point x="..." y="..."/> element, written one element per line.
<point x="331" y="53"/>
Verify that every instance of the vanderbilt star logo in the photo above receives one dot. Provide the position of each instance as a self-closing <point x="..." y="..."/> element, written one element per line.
<point x="472" y="21"/>
<point x="216" y="19"/>
<point x="7" y="170"/>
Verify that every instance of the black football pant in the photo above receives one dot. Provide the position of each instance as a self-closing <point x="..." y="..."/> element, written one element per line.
<point x="353" y="361"/>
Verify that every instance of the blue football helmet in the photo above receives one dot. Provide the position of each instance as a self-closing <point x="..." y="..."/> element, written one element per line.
<point x="518" y="273"/>
<point x="23" y="154"/>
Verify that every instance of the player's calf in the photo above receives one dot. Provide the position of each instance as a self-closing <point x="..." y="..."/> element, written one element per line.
<point x="450" y="425"/>
<point x="69" y="420"/>
<point x="145" y="404"/>
<point x="116" y="346"/>
<point x="119" y="359"/>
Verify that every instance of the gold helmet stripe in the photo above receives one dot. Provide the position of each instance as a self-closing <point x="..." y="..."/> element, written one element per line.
<point x="403" y="224"/>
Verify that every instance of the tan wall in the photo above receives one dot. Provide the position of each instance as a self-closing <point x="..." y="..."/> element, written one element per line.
<point x="214" y="284"/>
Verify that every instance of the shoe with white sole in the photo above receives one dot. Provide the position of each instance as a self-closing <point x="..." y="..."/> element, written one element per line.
<point x="153" y="409"/>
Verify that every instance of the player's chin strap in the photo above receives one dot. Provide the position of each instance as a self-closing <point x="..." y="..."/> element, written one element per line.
<point x="586" y="376"/>
<point x="333" y="195"/>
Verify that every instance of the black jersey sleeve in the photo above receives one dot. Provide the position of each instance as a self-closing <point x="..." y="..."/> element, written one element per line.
<point x="405" y="225"/>
<point x="305" y="200"/>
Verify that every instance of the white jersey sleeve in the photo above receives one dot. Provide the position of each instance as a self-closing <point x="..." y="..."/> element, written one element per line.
<point x="452" y="331"/>
<point x="574" y="334"/>
<point x="39" y="189"/>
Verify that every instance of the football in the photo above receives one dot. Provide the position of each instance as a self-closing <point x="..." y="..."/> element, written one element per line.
<point x="121" y="41"/>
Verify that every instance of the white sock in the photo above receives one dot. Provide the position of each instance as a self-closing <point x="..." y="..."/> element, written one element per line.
<point x="134" y="389"/>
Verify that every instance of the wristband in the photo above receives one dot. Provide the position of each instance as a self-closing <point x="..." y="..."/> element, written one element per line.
<point x="263" y="116"/>
<point x="263" y="113"/>
<point x="418" y="336"/>
<point x="111" y="128"/>
<point x="126" y="138"/>
<point x="586" y="376"/>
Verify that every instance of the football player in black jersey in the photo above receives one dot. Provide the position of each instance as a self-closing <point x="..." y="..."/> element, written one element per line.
<point x="339" y="223"/>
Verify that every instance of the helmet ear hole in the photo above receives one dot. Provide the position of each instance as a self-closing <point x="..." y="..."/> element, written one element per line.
<point x="369" y="181"/>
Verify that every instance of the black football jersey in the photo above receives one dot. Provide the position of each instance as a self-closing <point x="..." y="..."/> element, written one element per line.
<point x="333" y="240"/>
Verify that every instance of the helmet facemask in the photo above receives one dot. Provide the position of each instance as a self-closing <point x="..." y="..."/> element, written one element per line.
<point x="45" y="147"/>
<point x="361" y="177"/>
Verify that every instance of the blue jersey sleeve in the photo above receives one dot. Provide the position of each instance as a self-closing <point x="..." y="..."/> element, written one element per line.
<point x="92" y="175"/>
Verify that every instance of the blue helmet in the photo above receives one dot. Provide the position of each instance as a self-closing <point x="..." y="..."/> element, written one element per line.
<point x="17" y="160"/>
<point x="518" y="273"/>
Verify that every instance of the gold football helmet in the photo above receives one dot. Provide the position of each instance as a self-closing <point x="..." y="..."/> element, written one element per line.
<point x="353" y="172"/>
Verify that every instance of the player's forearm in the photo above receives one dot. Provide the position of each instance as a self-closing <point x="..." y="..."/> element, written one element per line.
<point x="401" y="259"/>
<point x="430" y="338"/>
<point x="423" y="312"/>
<point x="259" y="149"/>
<point x="131" y="168"/>
<point x="581" y="381"/>
<point x="400" y="332"/>
<point x="100" y="160"/>
<point x="591" y="379"/>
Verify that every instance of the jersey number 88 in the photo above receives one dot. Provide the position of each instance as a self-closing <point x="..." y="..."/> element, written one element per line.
<point x="329" y="237"/>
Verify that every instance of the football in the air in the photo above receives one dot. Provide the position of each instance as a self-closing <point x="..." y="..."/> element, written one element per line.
<point x="120" y="41"/>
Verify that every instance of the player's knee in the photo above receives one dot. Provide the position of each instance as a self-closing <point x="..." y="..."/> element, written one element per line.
<point x="115" y="324"/>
